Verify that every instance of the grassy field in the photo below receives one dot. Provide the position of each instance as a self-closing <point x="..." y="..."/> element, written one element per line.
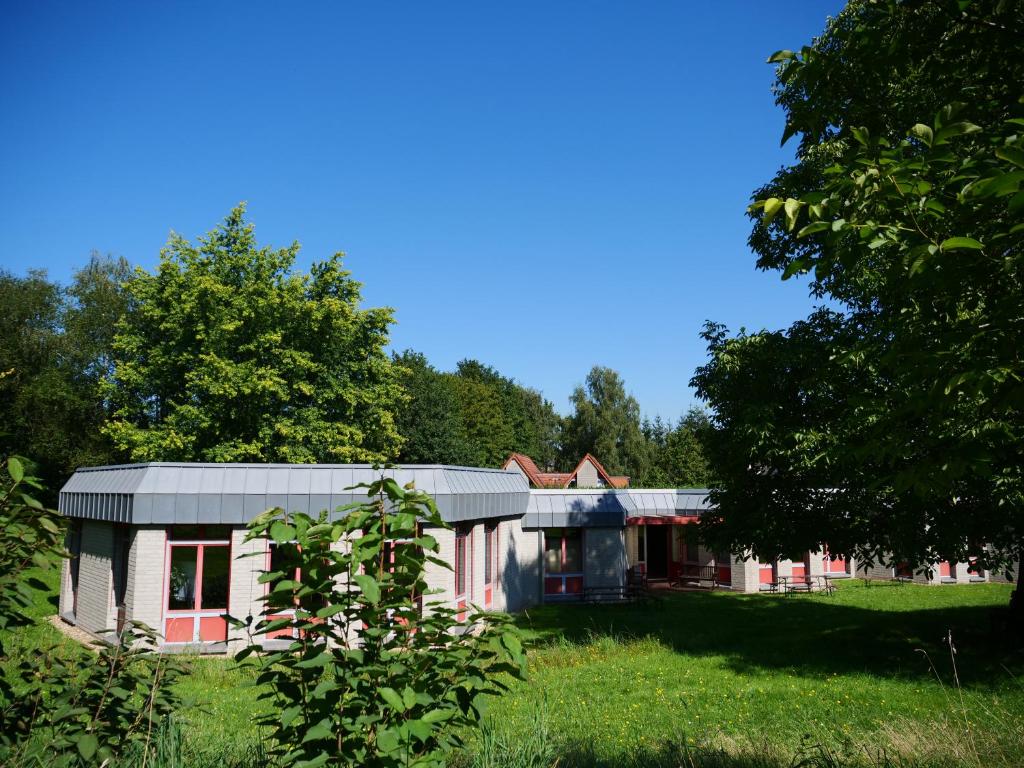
<point x="861" y="677"/>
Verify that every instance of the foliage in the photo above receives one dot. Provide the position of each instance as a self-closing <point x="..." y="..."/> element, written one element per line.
<point x="677" y="453"/>
<point x="31" y="537"/>
<point x="429" y="421"/>
<point x="227" y="354"/>
<point x="55" y="344"/>
<point x="59" y="707"/>
<point x="372" y="677"/>
<point x="906" y="401"/>
<point x="606" y="423"/>
<point x="473" y="416"/>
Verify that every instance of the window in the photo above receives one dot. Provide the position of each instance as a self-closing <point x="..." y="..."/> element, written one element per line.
<point x="641" y="543"/>
<point x="461" y="555"/>
<point x="198" y="579"/>
<point x="490" y="552"/>
<point x="490" y="561"/>
<point x="563" y="550"/>
<point x="563" y="561"/>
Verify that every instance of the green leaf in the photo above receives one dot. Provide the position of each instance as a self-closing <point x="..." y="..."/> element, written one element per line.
<point x="438" y="715"/>
<point x="923" y="132"/>
<point x="771" y="208"/>
<point x="817" y="226"/>
<point x="862" y="135"/>
<point x="1012" y="155"/>
<point x="87" y="745"/>
<point x="946" y="133"/>
<point x="960" y="243"/>
<point x="390" y="695"/>
<point x="369" y="587"/>
<point x="318" y="732"/>
<point x="281" y="532"/>
<point x="783" y="55"/>
<point x="387" y="740"/>
<point x="792" y="211"/>
<point x="15" y="468"/>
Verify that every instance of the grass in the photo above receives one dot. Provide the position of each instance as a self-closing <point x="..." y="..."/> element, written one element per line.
<point x="863" y="677"/>
<point x="864" y="671"/>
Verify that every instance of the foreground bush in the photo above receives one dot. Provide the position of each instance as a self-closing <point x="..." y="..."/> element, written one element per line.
<point x="371" y="676"/>
<point x="61" y="707"/>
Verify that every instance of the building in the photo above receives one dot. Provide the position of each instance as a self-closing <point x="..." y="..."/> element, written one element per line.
<point x="588" y="474"/>
<point x="163" y="543"/>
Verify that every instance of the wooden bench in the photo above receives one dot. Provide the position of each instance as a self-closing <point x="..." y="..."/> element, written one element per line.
<point x="705" y="576"/>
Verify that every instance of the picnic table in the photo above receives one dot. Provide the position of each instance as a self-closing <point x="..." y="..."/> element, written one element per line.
<point x="817" y="582"/>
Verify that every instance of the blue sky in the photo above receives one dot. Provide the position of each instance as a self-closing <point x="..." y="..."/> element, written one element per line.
<point x="542" y="186"/>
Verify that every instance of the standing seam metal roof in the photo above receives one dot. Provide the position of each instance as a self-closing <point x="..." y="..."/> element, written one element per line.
<point x="180" y="493"/>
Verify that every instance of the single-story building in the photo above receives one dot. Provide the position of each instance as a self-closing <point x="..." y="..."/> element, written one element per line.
<point x="160" y="543"/>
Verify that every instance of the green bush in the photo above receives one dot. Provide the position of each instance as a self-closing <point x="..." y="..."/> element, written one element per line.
<point x="372" y="676"/>
<point x="61" y="707"/>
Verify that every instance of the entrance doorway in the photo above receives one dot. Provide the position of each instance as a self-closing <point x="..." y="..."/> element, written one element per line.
<point x="657" y="550"/>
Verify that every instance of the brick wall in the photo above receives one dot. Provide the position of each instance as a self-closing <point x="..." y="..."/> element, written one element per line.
<point x="144" y="597"/>
<point x="604" y="563"/>
<point x="745" y="575"/>
<point x="520" y="567"/>
<point x="245" y="590"/>
<point x="95" y="577"/>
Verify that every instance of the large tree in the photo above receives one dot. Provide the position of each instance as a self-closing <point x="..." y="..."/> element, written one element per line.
<point x="894" y="424"/>
<point x="55" y="346"/>
<point x="429" y="420"/>
<point x="606" y="423"/>
<point x="229" y="354"/>
<point x="677" y="457"/>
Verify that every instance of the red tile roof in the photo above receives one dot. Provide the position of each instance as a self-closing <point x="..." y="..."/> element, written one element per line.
<point x="540" y="479"/>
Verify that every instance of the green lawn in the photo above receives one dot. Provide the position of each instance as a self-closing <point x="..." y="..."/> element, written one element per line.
<point x="863" y="676"/>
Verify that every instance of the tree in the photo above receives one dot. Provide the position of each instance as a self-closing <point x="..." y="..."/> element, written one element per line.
<point x="227" y="354"/>
<point x="55" y="347"/>
<point x="905" y="408"/>
<point x="606" y="423"/>
<point x="677" y="453"/>
<point x="501" y="416"/>
<point x="429" y="421"/>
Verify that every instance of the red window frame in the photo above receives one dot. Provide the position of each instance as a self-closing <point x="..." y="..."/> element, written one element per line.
<point x="463" y="569"/>
<point x="564" y="582"/>
<point x="197" y="623"/>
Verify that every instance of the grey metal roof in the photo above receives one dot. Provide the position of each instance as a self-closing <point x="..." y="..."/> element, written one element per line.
<point x="572" y="507"/>
<point x="665" y="502"/>
<point x="169" y="493"/>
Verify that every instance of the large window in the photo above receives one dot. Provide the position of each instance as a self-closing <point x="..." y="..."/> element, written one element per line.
<point x="563" y="561"/>
<point x="198" y="579"/>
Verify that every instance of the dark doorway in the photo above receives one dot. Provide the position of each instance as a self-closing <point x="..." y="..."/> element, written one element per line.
<point x="657" y="551"/>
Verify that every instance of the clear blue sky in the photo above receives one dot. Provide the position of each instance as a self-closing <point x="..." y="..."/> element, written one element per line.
<point x="542" y="186"/>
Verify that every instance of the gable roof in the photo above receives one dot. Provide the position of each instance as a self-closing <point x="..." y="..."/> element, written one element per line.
<point x="612" y="481"/>
<point x="540" y="479"/>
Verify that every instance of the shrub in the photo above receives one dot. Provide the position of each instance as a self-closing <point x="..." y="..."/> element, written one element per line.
<point x="371" y="676"/>
<point x="61" y="707"/>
